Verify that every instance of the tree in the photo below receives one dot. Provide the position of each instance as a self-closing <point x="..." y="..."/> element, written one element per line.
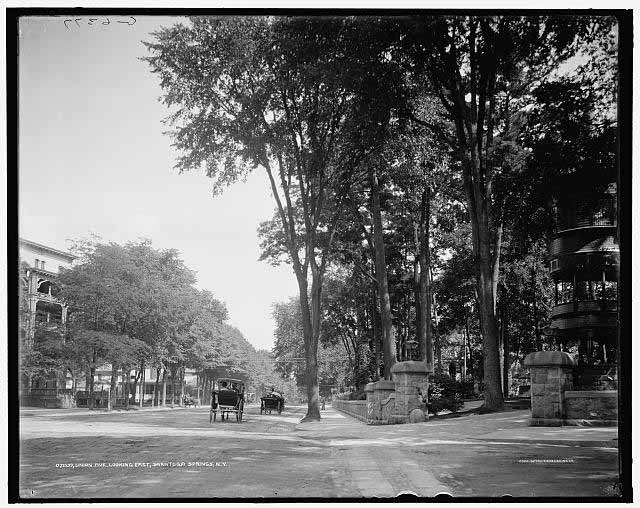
<point x="126" y="305"/>
<point x="272" y="93"/>
<point x="482" y="69"/>
<point x="289" y="348"/>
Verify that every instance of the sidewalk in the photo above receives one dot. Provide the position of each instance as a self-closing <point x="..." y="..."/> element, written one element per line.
<point x="511" y="425"/>
<point x="474" y="455"/>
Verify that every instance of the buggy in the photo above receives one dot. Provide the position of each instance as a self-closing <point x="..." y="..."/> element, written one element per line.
<point x="228" y="398"/>
<point x="272" y="402"/>
<point x="189" y="401"/>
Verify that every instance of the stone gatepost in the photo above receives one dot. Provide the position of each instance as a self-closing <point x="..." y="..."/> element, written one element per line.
<point x="412" y="383"/>
<point x="380" y="401"/>
<point x="551" y="377"/>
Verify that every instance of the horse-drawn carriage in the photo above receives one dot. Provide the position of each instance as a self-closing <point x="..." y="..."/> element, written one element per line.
<point x="228" y="398"/>
<point x="274" y="401"/>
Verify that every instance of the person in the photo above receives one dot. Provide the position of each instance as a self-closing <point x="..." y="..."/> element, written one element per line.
<point x="323" y="403"/>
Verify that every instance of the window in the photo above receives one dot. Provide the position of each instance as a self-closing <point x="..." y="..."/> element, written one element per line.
<point x="582" y="290"/>
<point x="37" y="263"/>
<point x="564" y="290"/>
<point x="42" y="264"/>
<point x="610" y="290"/>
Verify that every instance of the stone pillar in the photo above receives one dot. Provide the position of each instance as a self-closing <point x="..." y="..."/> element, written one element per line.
<point x="412" y="383"/>
<point x="380" y="401"/>
<point x="551" y="376"/>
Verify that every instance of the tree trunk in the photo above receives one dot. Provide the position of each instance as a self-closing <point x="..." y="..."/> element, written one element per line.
<point x="388" y="341"/>
<point x="487" y="268"/>
<point x="173" y="385"/>
<point x="156" y="391"/>
<point x="535" y="310"/>
<point x="311" y="332"/>
<point x="92" y="374"/>
<point x="424" y="328"/>
<point x="114" y="381"/>
<point x="142" y="387"/>
<point x="375" y="316"/>
<point x="164" y="386"/>
<point x="493" y="398"/>
<point x="467" y="340"/>
<point x="181" y="371"/>
<point x="506" y="350"/>
<point x="418" y="303"/>
<point x="436" y="338"/>
<point x="134" y="388"/>
<point x="125" y="387"/>
<point x="198" y="387"/>
<point x="205" y="391"/>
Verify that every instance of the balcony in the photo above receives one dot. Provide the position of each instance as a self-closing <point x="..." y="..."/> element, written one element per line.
<point x="586" y="307"/>
<point x="584" y="211"/>
<point x="584" y="241"/>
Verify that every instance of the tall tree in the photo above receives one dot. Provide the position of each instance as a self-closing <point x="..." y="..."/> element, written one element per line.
<point x="482" y="69"/>
<point x="272" y="93"/>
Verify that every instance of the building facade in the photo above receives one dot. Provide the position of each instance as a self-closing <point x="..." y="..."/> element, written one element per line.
<point x="585" y="264"/>
<point x="40" y="310"/>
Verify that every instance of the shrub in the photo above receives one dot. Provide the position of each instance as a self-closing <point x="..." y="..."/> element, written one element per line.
<point x="467" y="389"/>
<point x="358" y="395"/>
<point x="444" y="393"/>
<point x="353" y="395"/>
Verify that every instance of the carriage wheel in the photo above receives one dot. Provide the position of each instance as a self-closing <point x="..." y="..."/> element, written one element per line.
<point x="210" y="416"/>
<point x="279" y="409"/>
<point x="240" y="417"/>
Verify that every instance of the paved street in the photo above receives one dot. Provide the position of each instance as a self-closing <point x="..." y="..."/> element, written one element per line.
<point x="177" y="453"/>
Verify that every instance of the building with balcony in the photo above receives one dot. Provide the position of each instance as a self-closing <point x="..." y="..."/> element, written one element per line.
<point x="585" y="264"/>
<point x="39" y="268"/>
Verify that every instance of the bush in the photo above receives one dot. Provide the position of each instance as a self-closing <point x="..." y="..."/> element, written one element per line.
<point x="467" y="389"/>
<point x="353" y="395"/>
<point x="445" y="393"/>
<point x="358" y="395"/>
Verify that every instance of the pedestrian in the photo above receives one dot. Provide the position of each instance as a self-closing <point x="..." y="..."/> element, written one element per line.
<point x="323" y="403"/>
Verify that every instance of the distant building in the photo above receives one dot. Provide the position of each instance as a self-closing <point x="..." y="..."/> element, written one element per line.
<point x="39" y="268"/>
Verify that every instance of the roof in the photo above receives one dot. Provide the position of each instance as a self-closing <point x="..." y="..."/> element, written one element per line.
<point x="230" y="379"/>
<point x="62" y="253"/>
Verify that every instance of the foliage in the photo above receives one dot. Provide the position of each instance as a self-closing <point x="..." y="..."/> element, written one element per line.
<point x="133" y="306"/>
<point x="288" y="350"/>
<point x="445" y="393"/>
<point x="477" y="112"/>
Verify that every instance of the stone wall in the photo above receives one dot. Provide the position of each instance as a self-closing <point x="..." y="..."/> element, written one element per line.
<point x="591" y="407"/>
<point x="553" y="400"/>
<point x="380" y="401"/>
<point x="402" y="400"/>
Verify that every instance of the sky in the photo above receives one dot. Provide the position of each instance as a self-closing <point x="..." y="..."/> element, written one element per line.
<point x="93" y="159"/>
